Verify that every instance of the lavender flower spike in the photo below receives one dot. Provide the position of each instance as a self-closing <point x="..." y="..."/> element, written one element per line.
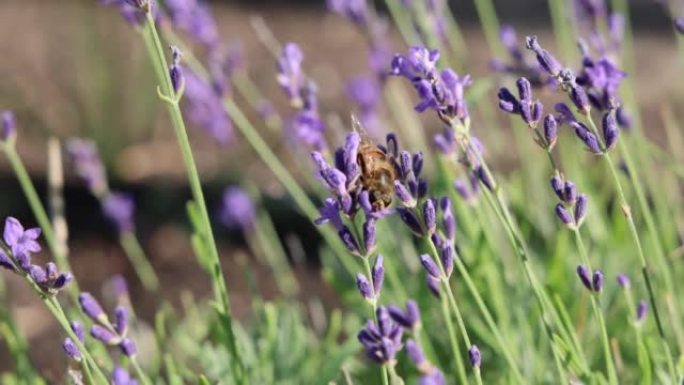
<point x="378" y="274"/>
<point x="92" y="308"/>
<point x="364" y="287"/>
<point x="430" y="266"/>
<point x="610" y="129"/>
<point x="597" y="281"/>
<point x="237" y="210"/>
<point x="19" y="240"/>
<point x="290" y="75"/>
<point x="71" y="350"/>
<point x="583" y="274"/>
<point x="128" y="347"/>
<point x="475" y="356"/>
<point x="623" y="280"/>
<point x="381" y="341"/>
<point x="175" y="71"/>
<point x="9" y="126"/>
<point x="545" y="59"/>
<point x="642" y="310"/>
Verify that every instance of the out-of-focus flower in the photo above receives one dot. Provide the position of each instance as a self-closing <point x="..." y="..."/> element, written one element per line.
<point x="237" y="209"/>
<point x="204" y="108"/>
<point x="365" y="92"/>
<point x="119" y="208"/>
<point x="9" y="126"/>
<point x="381" y="341"/>
<point x="121" y="377"/>
<point x="518" y="64"/>
<point x="290" y="75"/>
<point x="408" y="319"/>
<point x="87" y="164"/>
<point x="475" y="356"/>
<point x="306" y="127"/>
<point x="623" y="280"/>
<point x="430" y="375"/>
<point x="131" y="12"/>
<point x="195" y="18"/>
<point x="355" y="10"/>
<point x="642" y="310"/>
<point x="112" y="334"/>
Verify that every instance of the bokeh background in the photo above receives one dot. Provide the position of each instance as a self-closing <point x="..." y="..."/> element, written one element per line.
<point x="71" y="68"/>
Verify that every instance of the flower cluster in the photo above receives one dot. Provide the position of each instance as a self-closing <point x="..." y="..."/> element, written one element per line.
<point x="430" y="375"/>
<point x="441" y="91"/>
<point x="194" y="18"/>
<point x="519" y="65"/>
<point x="306" y="125"/>
<point x="237" y="210"/>
<point x="370" y="289"/>
<point x="572" y="208"/>
<point x="9" y="126"/>
<point x="593" y="282"/>
<point x="15" y="256"/>
<point x="349" y="195"/>
<point x="117" y="206"/>
<point x="382" y="340"/>
<point x="531" y="111"/>
<point x="103" y="330"/>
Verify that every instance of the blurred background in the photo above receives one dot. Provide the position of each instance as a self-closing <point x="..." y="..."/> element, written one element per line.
<point x="72" y="68"/>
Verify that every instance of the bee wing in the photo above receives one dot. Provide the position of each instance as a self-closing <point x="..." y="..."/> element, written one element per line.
<point x="358" y="128"/>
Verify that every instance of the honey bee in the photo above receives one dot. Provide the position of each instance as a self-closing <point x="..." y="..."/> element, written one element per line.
<point x="378" y="170"/>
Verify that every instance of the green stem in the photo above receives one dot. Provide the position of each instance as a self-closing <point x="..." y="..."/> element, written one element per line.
<point x="156" y="52"/>
<point x="456" y="352"/>
<point x="139" y="372"/>
<point x="454" y="305"/>
<point x="610" y="366"/>
<point x="642" y="354"/>
<point x="141" y="264"/>
<point x="490" y="25"/>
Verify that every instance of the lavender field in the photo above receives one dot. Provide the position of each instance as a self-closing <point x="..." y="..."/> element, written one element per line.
<point x="341" y="192"/>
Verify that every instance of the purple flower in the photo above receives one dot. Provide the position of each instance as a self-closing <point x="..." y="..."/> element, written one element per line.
<point x="475" y="356"/>
<point x="354" y="10"/>
<point x="547" y="61"/>
<point x="583" y="274"/>
<point x="306" y="127"/>
<point x="433" y="285"/>
<point x="448" y="220"/>
<point x="378" y="274"/>
<point x="132" y="13"/>
<point x="430" y="216"/>
<point x="195" y="18"/>
<point x="531" y="111"/>
<point x="128" y="347"/>
<point x="121" y="377"/>
<point x="418" y="63"/>
<point x="21" y="242"/>
<point x="121" y="319"/>
<point x="175" y="71"/>
<point x="587" y="137"/>
<point x="381" y="341"/>
<point x="364" y="287"/>
<point x="580" y="209"/>
<point x="610" y="129"/>
<point x="87" y="164"/>
<point x="104" y="335"/>
<point x="204" y="107"/>
<point x="409" y="319"/>
<point x="290" y="75"/>
<point x="430" y="266"/>
<point x="518" y="64"/>
<point x="237" y="210"/>
<point x="92" y="308"/>
<point x="71" y="350"/>
<point x="119" y="208"/>
<point x="430" y="375"/>
<point x="9" y="126"/>
<point x="597" y="281"/>
<point x="623" y="280"/>
<point x="468" y="188"/>
<point x="601" y="79"/>
<point x="679" y="25"/>
<point x="642" y="310"/>
<point x="6" y="261"/>
<point x="49" y="279"/>
<point x="550" y="131"/>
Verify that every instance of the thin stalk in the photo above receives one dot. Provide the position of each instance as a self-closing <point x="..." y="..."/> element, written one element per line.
<point x="57" y="311"/>
<point x="141" y="264"/>
<point x="454" y="305"/>
<point x="40" y="214"/>
<point x="156" y="52"/>
<point x="458" y="360"/>
<point x="642" y="355"/>
<point x="637" y="243"/>
<point x="610" y="366"/>
<point x="490" y="25"/>
<point x="503" y="344"/>
<point x="402" y="22"/>
<point x="140" y="373"/>
<point x="374" y="308"/>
